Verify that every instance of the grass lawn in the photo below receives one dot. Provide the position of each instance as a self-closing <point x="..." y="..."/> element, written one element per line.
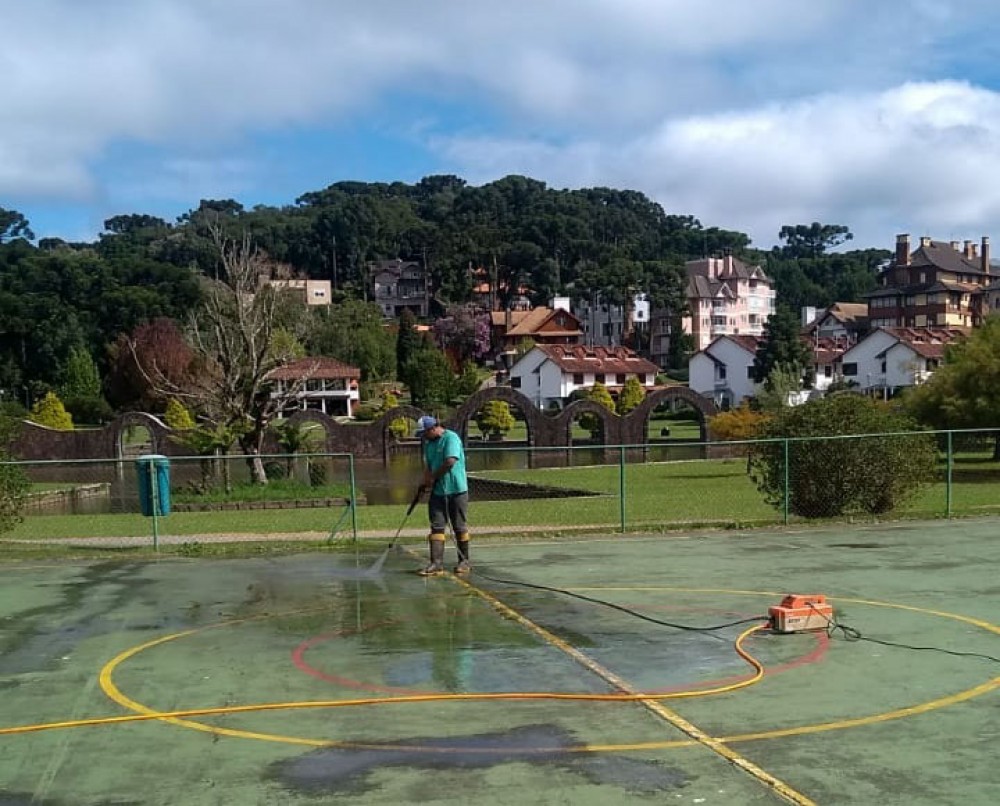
<point x="657" y="495"/>
<point x="679" y="429"/>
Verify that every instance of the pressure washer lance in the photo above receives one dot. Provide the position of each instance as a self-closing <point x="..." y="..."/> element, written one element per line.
<point x="377" y="565"/>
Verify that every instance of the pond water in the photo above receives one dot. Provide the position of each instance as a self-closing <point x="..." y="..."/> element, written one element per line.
<point x="393" y="482"/>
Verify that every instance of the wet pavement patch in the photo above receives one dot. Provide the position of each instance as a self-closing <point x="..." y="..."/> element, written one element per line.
<point x="346" y="771"/>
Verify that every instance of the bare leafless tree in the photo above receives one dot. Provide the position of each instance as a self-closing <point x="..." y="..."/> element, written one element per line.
<point x="232" y="334"/>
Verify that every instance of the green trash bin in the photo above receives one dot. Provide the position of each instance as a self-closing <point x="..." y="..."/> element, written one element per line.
<point x="153" y="472"/>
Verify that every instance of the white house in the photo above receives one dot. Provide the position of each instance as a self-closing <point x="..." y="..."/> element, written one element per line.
<point x="894" y="357"/>
<point x="324" y="384"/>
<point x="723" y="371"/>
<point x="312" y="292"/>
<point x="550" y="373"/>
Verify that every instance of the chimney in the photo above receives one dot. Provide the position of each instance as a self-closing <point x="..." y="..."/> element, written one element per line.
<point x="985" y="257"/>
<point x="924" y="241"/>
<point x="953" y="245"/>
<point x="967" y="251"/>
<point x="903" y="250"/>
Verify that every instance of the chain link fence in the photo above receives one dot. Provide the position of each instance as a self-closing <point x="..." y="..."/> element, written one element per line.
<point x="519" y="489"/>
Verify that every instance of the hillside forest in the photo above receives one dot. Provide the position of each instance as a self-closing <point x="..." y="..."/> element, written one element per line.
<point x="67" y="309"/>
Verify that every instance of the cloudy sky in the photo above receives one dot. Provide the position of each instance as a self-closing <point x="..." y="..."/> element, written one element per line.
<point x="749" y="114"/>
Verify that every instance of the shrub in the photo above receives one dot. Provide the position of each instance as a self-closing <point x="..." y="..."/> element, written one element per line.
<point x="13" y="482"/>
<point x="89" y="410"/>
<point x="832" y="477"/>
<point x="494" y="418"/>
<point x="50" y="411"/>
<point x="177" y="416"/>
<point x="631" y="396"/>
<point x="367" y="412"/>
<point x="399" y="427"/>
<point x="591" y="422"/>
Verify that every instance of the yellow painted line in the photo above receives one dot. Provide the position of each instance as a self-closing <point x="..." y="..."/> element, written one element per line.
<point x="176" y="717"/>
<point x="660" y="710"/>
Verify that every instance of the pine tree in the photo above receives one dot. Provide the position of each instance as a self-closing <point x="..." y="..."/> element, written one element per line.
<point x="782" y="345"/>
<point x="80" y="376"/>
<point x="407" y="342"/>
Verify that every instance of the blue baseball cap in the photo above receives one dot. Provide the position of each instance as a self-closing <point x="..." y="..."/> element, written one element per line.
<point x="426" y="423"/>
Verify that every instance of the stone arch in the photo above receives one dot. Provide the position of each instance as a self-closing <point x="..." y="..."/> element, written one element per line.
<point x="402" y="410"/>
<point x="538" y="424"/>
<point x="637" y="420"/>
<point x="313" y="416"/>
<point x="159" y="433"/>
<point x="611" y="422"/>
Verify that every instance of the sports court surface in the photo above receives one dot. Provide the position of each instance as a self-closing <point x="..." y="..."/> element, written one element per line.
<point x="323" y="684"/>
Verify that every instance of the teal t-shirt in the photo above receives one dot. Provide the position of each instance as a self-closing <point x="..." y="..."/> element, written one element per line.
<point x="436" y="451"/>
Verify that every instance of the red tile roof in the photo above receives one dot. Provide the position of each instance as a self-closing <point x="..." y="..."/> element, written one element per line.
<point x="607" y="360"/>
<point x="318" y="367"/>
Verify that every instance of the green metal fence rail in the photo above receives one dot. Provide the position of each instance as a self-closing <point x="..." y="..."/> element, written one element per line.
<point x="516" y="489"/>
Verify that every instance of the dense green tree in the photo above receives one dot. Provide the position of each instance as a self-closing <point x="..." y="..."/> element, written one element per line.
<point x="14" y="225"/>
<point x="832" y="477"/>
<point x="782" y="345"/>
<point x="80" y="376"/>
<point x="812" y="240"/>
<point x="428" y="375"/>
<point x="964" y="392"/>
<point x="353" y="332"/>
<point x="408" y="341"/>
<point x="469" y="380"/>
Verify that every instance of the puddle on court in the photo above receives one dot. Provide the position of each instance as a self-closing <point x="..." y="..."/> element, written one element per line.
<point x="346" y="771"/>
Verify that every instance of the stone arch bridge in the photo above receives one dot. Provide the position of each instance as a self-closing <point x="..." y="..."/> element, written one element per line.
<point x="373" y="440"/>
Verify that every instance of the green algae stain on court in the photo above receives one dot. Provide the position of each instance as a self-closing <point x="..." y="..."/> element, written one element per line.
<point x="349" y="772"/>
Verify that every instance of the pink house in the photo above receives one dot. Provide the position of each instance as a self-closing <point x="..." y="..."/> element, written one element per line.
<point x="726" y="297"/>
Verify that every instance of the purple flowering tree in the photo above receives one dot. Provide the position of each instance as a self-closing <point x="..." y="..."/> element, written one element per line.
<point x="464" y="333"/>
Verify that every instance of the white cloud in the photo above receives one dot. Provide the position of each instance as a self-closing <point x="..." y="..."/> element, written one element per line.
<point x="660" y="76"/>
<point x="917" y="156"/>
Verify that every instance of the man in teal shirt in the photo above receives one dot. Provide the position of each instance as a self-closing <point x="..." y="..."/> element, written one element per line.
<point x="445" y="478"/>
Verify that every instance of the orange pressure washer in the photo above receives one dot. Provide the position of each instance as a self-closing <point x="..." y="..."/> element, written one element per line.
<point x="800" y="612"/>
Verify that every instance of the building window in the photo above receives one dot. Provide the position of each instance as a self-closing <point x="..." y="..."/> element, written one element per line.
<point x="578" y="378"/>
<point x="750" y="372"/>
<point x="720" y="372"/>
<point x="827" y="371"/>
<point x="620" y="379"/>
<point x="515" y="381"/>
<point x="850" y="370"/>
<point x="599" y="377"/>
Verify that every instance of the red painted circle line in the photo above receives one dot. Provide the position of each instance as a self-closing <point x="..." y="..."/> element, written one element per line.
<point x="298" y="658"/>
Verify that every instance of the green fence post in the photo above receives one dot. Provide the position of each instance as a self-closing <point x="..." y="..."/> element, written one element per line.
<point x="354" y="497"/>
<point x="154" y="492"/>
<point x="784" y="503"/>
<point x="621" y="486"/>
<point x="949" y="459"/>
